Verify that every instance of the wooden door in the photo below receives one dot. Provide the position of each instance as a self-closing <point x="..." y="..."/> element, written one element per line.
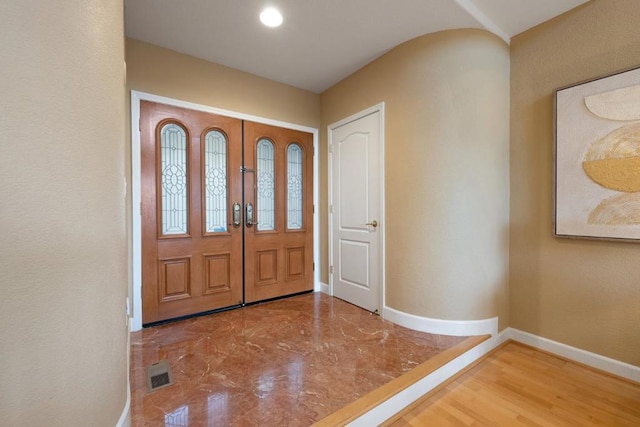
<point x="190" y="180"/>
<point x="200" y="249"/>
<point x="279" y="190"/>
<point x="356" y="208"/>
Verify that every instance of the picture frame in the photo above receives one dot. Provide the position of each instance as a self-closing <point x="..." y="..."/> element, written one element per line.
<point x="597" y="158"/>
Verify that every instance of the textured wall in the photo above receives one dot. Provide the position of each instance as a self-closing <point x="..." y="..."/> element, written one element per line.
<point x="63" y="337"/>
<point x="164" y="72"/>
<point x="447" y="178"/>
<point x="582" y="293"/>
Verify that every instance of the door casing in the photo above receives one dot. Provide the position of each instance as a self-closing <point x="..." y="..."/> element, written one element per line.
<point x="381" y="228"/>
<point x="134" y="309"/>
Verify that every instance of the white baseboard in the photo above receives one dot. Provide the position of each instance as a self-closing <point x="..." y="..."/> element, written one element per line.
<point x="135" y="324"/>
<point x="321" y="287"/>
<point x="441" y="327"/>
<point x="593" y="360"/>
<point x="125" y="417"/>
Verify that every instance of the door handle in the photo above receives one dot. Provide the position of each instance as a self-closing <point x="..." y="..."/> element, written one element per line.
<point x="373" y="223"/>
<point x="236" y="214"/>
<point x="249" y="215"/>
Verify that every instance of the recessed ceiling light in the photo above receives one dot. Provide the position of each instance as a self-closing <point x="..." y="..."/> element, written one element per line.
<point x="271" y="17"/>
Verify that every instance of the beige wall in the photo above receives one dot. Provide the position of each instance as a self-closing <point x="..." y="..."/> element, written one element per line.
<point x="447" y="178"/>
<point x="579" y="292"/>
<point x="63" y="337"/>
<point x="164" y="72"/>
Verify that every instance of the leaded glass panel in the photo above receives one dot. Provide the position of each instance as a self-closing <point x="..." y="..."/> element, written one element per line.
<point x="294" y="187"/>
<point x="265" y="175"/>
<point x="215" y="181"/>
<point x="173" y="166"/>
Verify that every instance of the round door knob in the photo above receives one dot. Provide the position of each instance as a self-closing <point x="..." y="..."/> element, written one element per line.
<point x="373" y="223"/>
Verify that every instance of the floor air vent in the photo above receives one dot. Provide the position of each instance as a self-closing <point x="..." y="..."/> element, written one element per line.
<point x="158" y="376"/>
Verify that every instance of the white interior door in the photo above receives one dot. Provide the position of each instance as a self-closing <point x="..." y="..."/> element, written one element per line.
<point x="356" y="209"/>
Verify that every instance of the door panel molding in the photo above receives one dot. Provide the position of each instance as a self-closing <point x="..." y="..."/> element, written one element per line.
<point x="266" y="267"/>
<point x="216" y="266"/>
<point x="355" y="225"/>
<point x="295" y="263"/>
<point x="175" y="278"/>
<point x="136" y="197"/>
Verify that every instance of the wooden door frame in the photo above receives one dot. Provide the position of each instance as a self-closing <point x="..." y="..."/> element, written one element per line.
<point x="378" y="108"/>
<point x="136" y="232"/>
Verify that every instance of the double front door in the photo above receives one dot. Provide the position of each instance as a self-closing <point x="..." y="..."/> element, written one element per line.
<point x="227" y="211"/>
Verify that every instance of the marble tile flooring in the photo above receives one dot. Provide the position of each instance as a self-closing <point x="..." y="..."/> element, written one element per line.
<point x="289" y="362"/>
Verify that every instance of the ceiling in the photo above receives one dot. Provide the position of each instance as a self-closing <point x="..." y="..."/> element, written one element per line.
<point x="321" y="41"/>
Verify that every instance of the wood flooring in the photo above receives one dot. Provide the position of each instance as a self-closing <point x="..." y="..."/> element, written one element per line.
<point x="520" y="386"/>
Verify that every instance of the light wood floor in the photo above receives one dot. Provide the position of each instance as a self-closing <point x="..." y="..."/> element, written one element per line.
<point x="520" y="386"/>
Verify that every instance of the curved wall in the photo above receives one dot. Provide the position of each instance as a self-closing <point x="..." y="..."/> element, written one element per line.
<point x="447" y="170"/>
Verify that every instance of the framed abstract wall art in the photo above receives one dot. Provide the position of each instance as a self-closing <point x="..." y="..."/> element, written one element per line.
<point x="597" y="158"/>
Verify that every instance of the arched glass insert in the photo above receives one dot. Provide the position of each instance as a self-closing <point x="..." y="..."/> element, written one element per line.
<point x="294" y="187"/>
<point x="215" y="182"/>
<point x="173" y="167"/>
<point x="265" y="175"/>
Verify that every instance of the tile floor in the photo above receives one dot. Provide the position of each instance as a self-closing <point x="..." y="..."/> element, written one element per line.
<point x="289" y="362"/>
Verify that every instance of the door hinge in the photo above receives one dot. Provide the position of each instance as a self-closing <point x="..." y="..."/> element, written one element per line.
<point x="331" y="148"/>
<point x="314" y="266"/>
<point x="139" y="125"/>
<point x="330" y="208"/>
<point x="331" y="269"/>
<point x="314" y="209"/>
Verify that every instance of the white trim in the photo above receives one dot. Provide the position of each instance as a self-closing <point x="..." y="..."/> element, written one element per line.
<point x="136" y="215"/>
<point x="329" y="210"/>
<point x="378" y="108"/>
<point x="406" y="397"/>
<point x="322" y="287"/>
<point x="383" y="213"/>
<point x="473" y="10"/>
<point x="125" y="417"/>
<point x="442" y="327"/>
<point x="220" y="111"/>
<point x="136" y="97"/>
<point x="593" y="360"/>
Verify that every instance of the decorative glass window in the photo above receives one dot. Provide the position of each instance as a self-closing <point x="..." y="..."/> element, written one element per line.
<point x="173" y="182"/>
<point x="215" y="182"/>
<point x="265" y="175"/>
<point x="294" y="187"/>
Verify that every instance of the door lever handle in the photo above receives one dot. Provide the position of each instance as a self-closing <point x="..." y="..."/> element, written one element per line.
<point x="236" y="214"/>
<point x="373" y="223"/>
<point x="249" y="219"/>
